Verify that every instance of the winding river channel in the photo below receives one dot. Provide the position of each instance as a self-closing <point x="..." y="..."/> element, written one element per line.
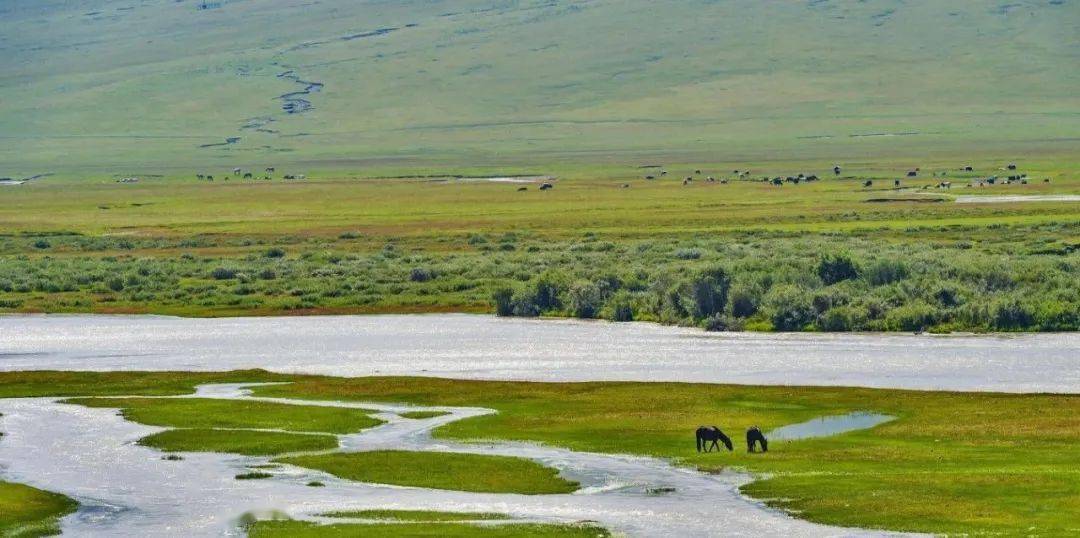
<point x="128" y="490"/>
<point x="125" y="489"/>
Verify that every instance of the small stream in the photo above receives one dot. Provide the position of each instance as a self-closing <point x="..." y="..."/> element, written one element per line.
<point x="128" y="490"/>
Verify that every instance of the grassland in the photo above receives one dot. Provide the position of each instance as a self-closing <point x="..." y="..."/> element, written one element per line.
<point x="209" y="413"/>
<point x="236" y="426"/>
<point x="529" y="82"/>
<point x="588" y="248"/>
<point x="416" y="515"/>
<point x="298" y="529"/>
<point x="27" y="512"/>
<point x="439" y="470"/>
<point x="951" y="463"/>
<point x="235" y="441"/>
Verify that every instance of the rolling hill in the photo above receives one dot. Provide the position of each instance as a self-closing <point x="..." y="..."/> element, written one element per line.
<point x="101" y="84"/>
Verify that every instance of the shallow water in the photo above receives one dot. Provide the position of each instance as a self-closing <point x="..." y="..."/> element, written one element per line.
<point x="826" y="426"/>
<point x="128" y="490"/>
<point x="487" y="347"/>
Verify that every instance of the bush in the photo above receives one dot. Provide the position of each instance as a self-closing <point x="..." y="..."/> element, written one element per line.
<point x="115" y="283"/>
<point x="1011" y="315"/>
<point x="835" y="268"/>
<point x="222" y="273"/>
<point x="504" y="301"/>
<point x="622" y="307"/>
<point x="41" y="244"/>
<point x="840" y="318"/>
<point x="267" y="274"/>
<point x="275" y="253"/>
<point x="789" y="308"/>
<point x="585" y="299"/>
<point x="884" y="272"/>
<point x="744" y="302"/>
<point x="720" y="322"/>
<point x="420" y="274"/>
<point x="710" y="289"/>
<point x="916" y="316"/>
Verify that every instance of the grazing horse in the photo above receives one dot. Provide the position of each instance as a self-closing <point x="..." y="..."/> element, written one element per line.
<point x="753" y="437"/>
<point x="707" y="438"/>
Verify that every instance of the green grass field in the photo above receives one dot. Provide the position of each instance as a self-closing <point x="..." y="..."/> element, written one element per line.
<point x="235" y="441"/>
<point x="298" y="529"/>
<point x="951" y="463"/>
<point x="28" y="512"/>
<point x="353" y="245"/>
<point x="463" y="472"/>
<point x="415" y="515"/>
<point x="527" y="83"/>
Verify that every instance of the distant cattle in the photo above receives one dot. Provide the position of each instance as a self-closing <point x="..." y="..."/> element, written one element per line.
<point x="697" y="171"/>
<point x="836" y="170"/>
<point x="868" y="183"/>
<point x="778" y="182"/>
<point x="650" y="177"/>
<point x="236" y="171"/>
<point x="546" y="186"/>
<point x="199" y="176"/>
<point x="269" y="169"/>
<point x="522" y="189"/>
<point x="1011" y="167"/>
<point x="625" y="186"/>
<point x="896" y="183"/>
<point x="247" y="175"/>
<point x="209" y="178"/>
<point x="912" y="173"/>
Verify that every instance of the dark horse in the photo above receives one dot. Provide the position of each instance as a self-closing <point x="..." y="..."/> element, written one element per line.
<point x="707" y="438"/>
<point x="754" y="436"/>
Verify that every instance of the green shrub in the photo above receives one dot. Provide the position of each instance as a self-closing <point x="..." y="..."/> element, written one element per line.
<point x="789" y="308"/>
<point x="835" y="268"/>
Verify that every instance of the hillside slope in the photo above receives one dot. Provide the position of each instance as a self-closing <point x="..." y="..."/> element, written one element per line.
<point x="106" y="83"/>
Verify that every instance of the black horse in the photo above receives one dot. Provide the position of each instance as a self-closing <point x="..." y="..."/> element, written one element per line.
<point x="707" y="438"/>
<point x="754" y="436"/>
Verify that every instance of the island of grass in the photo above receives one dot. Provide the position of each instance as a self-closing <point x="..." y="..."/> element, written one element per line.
<point x="416" y="415"/>
<point x="427" y="529"/>
<point x="233" y="426"/>
<point x="233" y="441"/>
<point x="439" y="470"/>
<point x="236" y="414"/>
<point x="415" y="515"/>
<point x="27" y="511"/>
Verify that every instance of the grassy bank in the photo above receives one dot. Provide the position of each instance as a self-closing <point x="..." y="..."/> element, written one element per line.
<point x="28" y="512"/>
<point x="248" y="443"/>
<point x="462" y="472"/>
<point x="953" y="463"/>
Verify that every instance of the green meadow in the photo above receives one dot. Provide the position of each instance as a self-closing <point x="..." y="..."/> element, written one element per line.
<point x="299" y="529"/>
<point x="950" y="463"/>
<point x="27" y="512"/>
<point x="525" y="83"/>
<point x="829" y="255"/>
<point x="439" y="470"/>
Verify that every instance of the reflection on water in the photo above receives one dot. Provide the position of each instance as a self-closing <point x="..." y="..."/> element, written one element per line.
<point x="826" y="426"/>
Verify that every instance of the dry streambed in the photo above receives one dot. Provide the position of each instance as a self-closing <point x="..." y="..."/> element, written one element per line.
<point x="126" y="489"/>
